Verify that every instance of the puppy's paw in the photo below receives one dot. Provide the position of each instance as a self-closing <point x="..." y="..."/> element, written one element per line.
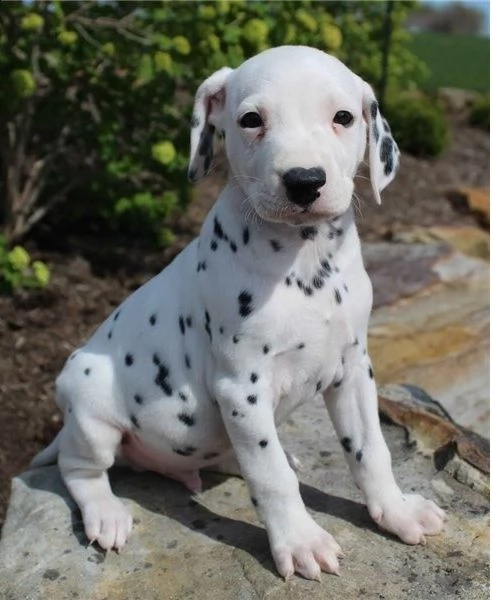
<point x="409" y="516"/>
<point x="107" y="522"/>
<point x="303" y="547"/>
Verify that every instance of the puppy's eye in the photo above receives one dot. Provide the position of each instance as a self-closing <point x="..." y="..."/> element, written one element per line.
<point x="250" y="120"/>
<point x="343" y="117"/>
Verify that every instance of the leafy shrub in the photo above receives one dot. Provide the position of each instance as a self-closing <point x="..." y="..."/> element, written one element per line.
<point x="17" y="270"/>
<point x="98" y="101"/>
<point x="418" y="125"/>
<point x="480" y="113"/>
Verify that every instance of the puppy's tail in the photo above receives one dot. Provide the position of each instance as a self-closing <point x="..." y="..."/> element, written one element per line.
<point x="48" y="456"/>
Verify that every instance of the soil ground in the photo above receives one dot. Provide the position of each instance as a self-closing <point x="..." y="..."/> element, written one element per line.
<point x="91" y="276"/>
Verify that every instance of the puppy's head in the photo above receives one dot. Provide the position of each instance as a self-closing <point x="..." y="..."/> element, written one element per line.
<point x="296" y="123"/>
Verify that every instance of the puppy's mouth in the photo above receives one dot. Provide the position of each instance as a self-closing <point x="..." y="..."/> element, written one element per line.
<point x="290" y="214"/>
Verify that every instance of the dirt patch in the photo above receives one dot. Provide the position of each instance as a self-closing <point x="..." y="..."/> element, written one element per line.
<point x="91" y="276"/>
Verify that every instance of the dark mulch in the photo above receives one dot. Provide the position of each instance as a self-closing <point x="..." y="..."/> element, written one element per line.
<point x="91" y="276"/>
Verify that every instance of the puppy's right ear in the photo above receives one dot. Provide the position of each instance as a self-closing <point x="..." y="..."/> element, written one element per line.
<point x="209" y="103"/>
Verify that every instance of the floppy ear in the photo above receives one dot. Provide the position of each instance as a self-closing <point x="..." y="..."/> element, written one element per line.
<point x="209" y="103"/>
<point x="384" y="155"/>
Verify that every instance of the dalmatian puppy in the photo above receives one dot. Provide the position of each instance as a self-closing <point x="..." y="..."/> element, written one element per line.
<point x="268" y="308"/>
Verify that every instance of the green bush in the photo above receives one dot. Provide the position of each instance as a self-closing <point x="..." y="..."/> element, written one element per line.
<point x="99" y="96"/>
<point x="480" y="113"/>
<point x="418" y="125"/>
<point x="17" y="270"/>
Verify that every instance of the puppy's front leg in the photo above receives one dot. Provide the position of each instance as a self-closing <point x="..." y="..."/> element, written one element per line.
<point x="296" y="541"/>
<point x="353" y="406"/>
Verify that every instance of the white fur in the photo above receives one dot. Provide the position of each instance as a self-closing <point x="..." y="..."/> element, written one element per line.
<point x="267" y="308"/>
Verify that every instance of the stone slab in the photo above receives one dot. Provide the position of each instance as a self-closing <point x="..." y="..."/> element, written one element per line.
<point x="431" y="325"/>
<point x="212" y="547"/>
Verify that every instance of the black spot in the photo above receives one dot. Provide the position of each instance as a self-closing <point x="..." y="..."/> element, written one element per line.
<point x="318" y="282"/>
<point x="162" y="381"/>
<point x="87" y="371"/>
<point x="189" y="321"/>
<point x="326" y="266"/>
<point x="188" y="420"/>
<point x="358" y="456"/>
<point x="213" y="245"/>
<point x="266" y="349"/>
<point x="254" y="501"/>
<point x="374" y="109"/>
<point x="345" y="287"/>
<point x="288" y="281"/>
<point x="263" y="443"/>
<point x="338" y="296"/>
<point x="235" y="413"/>
<point x="276" y="246"/>
<point x="183" y="396"/>
<point x="138" y="399"/>
<point x="134" y="421"/>
<point x="117" y="314"/>
<point x="246" y="236"/>
<point x="308" y="233"/>
<point x="233" y="246"/>
<point x="195" y="121"/>
<point x="386" y="150"/>
<point x="210" y="455"/>
<point x="300" y="285"/>
<point x="245" y="307"/>
<point x="188" y="451"/>
<point x="201" y="266"/>
<point x="308" y="290"/>
<point x="156" y="360"/>
<point x="187" y="361"/>
<point x="221" y="330"/>
<point x="152" y="319"/>
<point x="75" y="354"/>
<point x="388" y="166"/>
<point x="318" y="386"/>
<point x="128" y="360"/>
<point x="338" y="383"/>
<point x="252" y="399"/>
<point x="253" y="377"/>
<point x="218" y="231"/>
<point x="301" y="346"/>
<point x="110" y="335"/>
<point x="207" y="325"/>
<point x="386" y="127"/>
<point x="347" y="444"/>
<point x="235" y="339"/>
<point x="375" y="132"/>
<point x="371" y="373"/>
<point x="181" y="324"/>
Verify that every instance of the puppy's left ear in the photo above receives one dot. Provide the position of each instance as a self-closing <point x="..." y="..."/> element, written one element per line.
<point x="384" y="156"/>
<point x="209" y="103"/>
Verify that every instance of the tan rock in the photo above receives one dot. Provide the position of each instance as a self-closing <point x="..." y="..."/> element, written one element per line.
<point x="472" y="200"/>
<point x="438" y="339"/>
<point x="212" y="547"/>
<point x="471" y="241"/>
<point x="455" y="99"/>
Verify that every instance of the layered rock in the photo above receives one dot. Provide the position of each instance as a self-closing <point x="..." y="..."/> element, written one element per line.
<point x="430" y="326"/>
<point x="212" y="546"/>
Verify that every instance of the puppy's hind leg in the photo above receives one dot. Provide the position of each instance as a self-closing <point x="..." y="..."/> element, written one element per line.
<point x="87" y="450"/>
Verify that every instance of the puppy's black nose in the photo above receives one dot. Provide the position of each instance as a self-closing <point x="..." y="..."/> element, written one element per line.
<point x="302" y="184"/>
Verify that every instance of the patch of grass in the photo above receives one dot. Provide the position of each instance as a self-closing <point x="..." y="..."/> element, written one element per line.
<point x="460" y="61"/>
